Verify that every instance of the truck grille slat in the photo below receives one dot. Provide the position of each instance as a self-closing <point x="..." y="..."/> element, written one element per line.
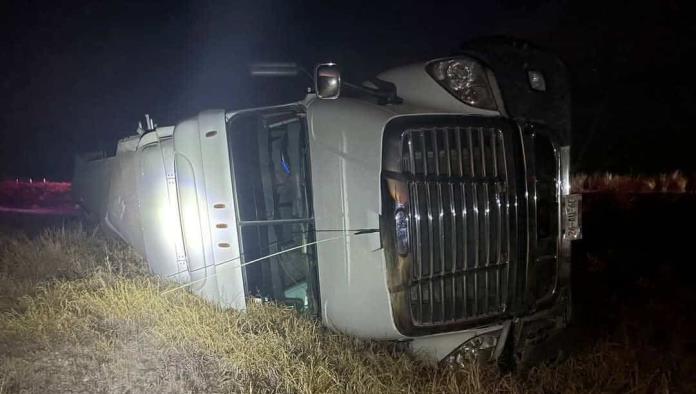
<point x="452" y="228"/>
<point x="430" y="246"/>
<point x="416" y="269"/>
<point x="474" y="218"/>
<point x="505" y="233"/>
<point x="498" y="219"/>
<point x="486" y="219"/>
<point x="442" y="239"/>
<point x="459" y="186"/>
<point x="463" y="263"/>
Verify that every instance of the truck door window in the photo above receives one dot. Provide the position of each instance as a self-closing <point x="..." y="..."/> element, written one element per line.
<point x="273" y="188"/>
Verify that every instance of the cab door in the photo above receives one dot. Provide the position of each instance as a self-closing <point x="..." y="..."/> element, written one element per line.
<point x="269" y="158"/>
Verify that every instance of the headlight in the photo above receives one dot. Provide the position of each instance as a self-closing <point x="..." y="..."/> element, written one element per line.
<point x="402" y="241"/>
<point x="479" y="349"/>
<point x="465" y="79"/>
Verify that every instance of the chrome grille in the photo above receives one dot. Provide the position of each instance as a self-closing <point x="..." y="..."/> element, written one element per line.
<point x="459" y="202"/>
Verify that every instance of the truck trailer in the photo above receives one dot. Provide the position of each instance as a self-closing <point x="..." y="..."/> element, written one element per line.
<point x="429" y="205"/>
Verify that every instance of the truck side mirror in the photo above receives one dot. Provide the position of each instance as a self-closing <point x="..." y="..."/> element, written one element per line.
<point x="327" y="81"/>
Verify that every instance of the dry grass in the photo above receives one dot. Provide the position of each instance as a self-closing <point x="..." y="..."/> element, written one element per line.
<point x="674" y="182"/>
<point x="78" y="314"/>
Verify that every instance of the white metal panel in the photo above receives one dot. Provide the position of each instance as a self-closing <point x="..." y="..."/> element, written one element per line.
<point x="206" y="203"/>
<point x="159" y="211"/>
<point x="346" y="143"/>
<point x="346" y="162"/>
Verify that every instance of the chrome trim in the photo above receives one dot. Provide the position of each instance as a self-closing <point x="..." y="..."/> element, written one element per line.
<point x="440" y="291"/>
<point x="507" y="221"/>
<point x="486" y="218"/>
<point x="475" y="207"/>
<point x="561" y="179"/>
<point x="529" y="232"/>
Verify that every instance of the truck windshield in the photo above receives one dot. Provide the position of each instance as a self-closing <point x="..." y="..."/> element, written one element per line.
<point x="270" y="166"/>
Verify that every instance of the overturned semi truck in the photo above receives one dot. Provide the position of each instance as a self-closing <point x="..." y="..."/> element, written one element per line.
<point x="429" y="205"/>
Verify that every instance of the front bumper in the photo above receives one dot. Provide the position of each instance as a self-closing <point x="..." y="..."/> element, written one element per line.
<point x="519" y="342"/>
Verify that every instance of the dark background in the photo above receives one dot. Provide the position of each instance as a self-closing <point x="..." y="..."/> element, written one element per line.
<point x="77" y="77"/>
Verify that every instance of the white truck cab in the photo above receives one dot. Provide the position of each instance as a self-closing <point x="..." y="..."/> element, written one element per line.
<point x="429" y="205"/>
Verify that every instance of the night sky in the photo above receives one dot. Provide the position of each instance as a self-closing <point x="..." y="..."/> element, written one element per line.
<point x="77" y="77"/>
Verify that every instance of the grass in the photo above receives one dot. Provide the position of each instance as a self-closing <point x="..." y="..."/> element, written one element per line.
<point x="79" y="313"/>
<point x="673" y="182"/>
